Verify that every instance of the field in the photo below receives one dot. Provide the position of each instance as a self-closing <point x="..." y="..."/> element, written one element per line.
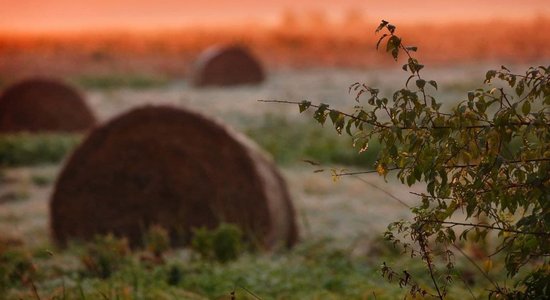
<point x="341" y="222"/>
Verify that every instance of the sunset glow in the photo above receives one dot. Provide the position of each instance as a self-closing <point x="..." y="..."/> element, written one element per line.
<point x="71" y="15"/>
<point x="163" y="37"/>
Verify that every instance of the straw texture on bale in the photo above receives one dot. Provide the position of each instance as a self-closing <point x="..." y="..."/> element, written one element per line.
<point x="39" y="105"/>
<point x="227" y="66"/>
<point x="174" y="168"/>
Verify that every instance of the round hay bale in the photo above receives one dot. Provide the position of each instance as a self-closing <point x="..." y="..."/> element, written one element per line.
<point x="37" y="105"/>
<point x="227" y="66"/>
<point x="174" y="168"/>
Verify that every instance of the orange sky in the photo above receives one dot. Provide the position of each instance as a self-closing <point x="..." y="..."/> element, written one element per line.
<point x="75" y="15"/>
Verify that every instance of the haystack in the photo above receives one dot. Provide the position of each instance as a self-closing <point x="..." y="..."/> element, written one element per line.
<point x="227" y="66"/>
<point x="174" y="168"/>
<point x="37" y="105"/>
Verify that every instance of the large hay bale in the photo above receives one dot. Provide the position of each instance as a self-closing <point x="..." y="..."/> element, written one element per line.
<point x="227" y="66"/>
<point x="37" y="105"/>
<point x="174" y="168"/>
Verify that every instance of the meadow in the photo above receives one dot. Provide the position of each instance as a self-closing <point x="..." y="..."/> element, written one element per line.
<point x="341" y="222"/>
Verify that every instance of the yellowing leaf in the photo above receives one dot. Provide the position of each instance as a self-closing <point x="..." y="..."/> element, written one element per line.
<point x="488" y="265"/>
<point x="381" y="169"/>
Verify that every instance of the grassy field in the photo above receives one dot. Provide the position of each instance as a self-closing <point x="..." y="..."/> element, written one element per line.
<point x="340" y="223"/>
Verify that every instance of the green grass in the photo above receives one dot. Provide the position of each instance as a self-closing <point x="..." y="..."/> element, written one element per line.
<point x="115" y="81"/>
<point x="26" y="149"/>
<point x="292" y="141"/>
<point x="288" y="141"/>
<point x="315" y="269"/>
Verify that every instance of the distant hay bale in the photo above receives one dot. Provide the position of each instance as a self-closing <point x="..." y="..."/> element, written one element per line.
<point x="173" y="168"/>
<point x="38" y="105"/>
<point x="227" y="66"/>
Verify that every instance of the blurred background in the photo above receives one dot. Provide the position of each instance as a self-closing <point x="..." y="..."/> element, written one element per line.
<point x="162" y="37"/>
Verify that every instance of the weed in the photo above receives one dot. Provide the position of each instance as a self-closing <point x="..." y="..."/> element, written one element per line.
<point x="202" y="242"/>
<point x="175" y="275"/>
<point x="226" y="242"/>
<point x="16" y="268"/>
<point x="105" y="255"/>
<point x="222" y="244"/>
<point x="156" y="240"/>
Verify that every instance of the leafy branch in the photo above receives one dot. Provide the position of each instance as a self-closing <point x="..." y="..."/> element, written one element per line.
<point x="487" y="156"/>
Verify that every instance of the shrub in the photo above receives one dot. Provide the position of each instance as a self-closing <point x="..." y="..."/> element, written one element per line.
<point x="466" y="159"/>
<point x="226" y="242"/>
<point x="222" y="244"/>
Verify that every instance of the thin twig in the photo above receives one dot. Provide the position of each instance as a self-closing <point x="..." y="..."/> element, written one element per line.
<point x="383" y="191"/>
<point x="477" y="267"/>
<point x="487" y="227"/>
<point x="414" y="126"/>
<point x="363" y="172"/>
<point x="425" y="250"/>
<point x="34" y="289"/>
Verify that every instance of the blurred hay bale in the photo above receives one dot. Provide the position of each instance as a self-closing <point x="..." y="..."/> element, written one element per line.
<point x="39" y="105"/>
<point x="227" y="66"/>
<point x="172" y="168"/>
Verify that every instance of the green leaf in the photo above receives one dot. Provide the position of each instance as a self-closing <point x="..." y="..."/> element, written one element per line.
<point x="380" y="40"/>
<point x="393" y="46"/>
<point x="451" y="234"/>
<point x="393" y="150"/>
<point x="430" y="187"/>
<point x="334" y="114"/>
<point x="382" y="25"/>
<point x="304" y="106"/>
<point x="470" y="208"/>
<point x="410" y="180"/>
<point x="364" y="146"/>
<point x="526" y="108"/>
<point x="420" y="83"/>
<point x="338" y="120"/>
<point x="433" y="83"/>
<point x="520" y="88"/>
<point x="339" y="125"/>
<point x="471" y="96"/>
<point x="490" y="75"/>
<point x="320" y="114"/>
<point x="481" y="106"/>
<point x="348" y="126"/>
<point x="512" y="80"/>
